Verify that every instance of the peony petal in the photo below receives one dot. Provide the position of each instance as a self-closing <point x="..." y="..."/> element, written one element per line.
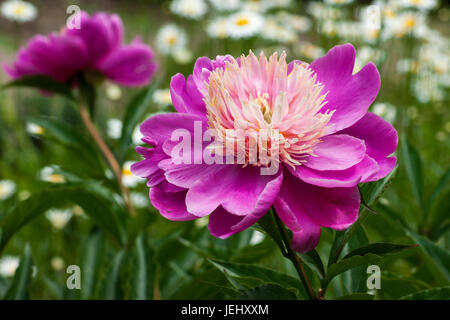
<point x="381" y="141"/>
<point x="241" y="191"/>
<point x="338" y="178"/>
<point x="337" y="152"/>
<point x="129" y="65"/>
<point x="305" y="208"/>
<point x="171" y="205"/>
<point x="349" y="95"/>
<point x="185" y="96"/>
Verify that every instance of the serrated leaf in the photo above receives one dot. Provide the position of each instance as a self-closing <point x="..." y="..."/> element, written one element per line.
<point x="264" y="275"/>
<point x="22" y="278"/>
<point x="267" y="292"/>
<point x="43" y="83"/>
<point x="442" y="293"/>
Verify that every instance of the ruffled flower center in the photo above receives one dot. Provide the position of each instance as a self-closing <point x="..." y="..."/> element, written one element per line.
<point x="268" y="114"/>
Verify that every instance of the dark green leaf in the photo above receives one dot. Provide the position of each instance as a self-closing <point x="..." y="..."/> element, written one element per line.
<point x="440" y="256"/>
<point x="144" y="271"/>
<point x="267" y="292"/>
<point x="245" y="272"/>
<point x="43" y="83"/>
<point x="413" y="167"/>
<point x="22" y="278"/>
<point x="314" y="261"/>
<point x="442" y="293"/>
<point x="371" y="191"/>
<point x="357" y="296"/>
<point x="379" y="249"/>
<point x="90" y="263"/>
<point x="443" y="184"/>
<point x="112" y="289"/>
<point x="268" y="224"/>
<point x="136" y="110"/>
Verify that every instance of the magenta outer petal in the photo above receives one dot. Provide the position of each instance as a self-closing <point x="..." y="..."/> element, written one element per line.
<point x="350" y="95"/>
<point x="129" y="65"/>
<point x="101" y="33"/>
<point x="337" y="152"/>
<point x="55" y="56"/>
<point x="241" y="191"/>
<point x="338" y="178"/>
<point x="305" y="208"/>
<point x="185" y="96"/>
<point x="160" y="127"/>
<point x="381" y="141"/>
<point x="171" y="205"/>
<point x="204" y="66"/>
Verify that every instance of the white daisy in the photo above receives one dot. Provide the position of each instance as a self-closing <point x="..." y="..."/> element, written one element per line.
<point x="114" y="128"/>
<point x="162" y="97"/>
<point x="418" y="4"/>
<point x="170" y="38"/>
<point x="182" y="56"/>
<point x="192" y="9"/>
<point x="338" y="2"/>
<point x="113" y="92"/>
<point x="128" y="178"/>
<point x="8" y="266"/>
<point x="7" y="189"/>
<point x="59" y="217"/>
<point x="244" y="24"/>
<point x="228" y="5"/>
<point x="57" y="263"/>
<point x="309" y="50"/>
<point x="50" y="174"/>
<point x="276" y="31"/>
<point x="139" y="200"/>
<point x="19" y="11"/>
<point x="385" y="110"/>
<point x="137" y="136"/>
<point x="218" y="28"/>
<point x="34" y="129"/>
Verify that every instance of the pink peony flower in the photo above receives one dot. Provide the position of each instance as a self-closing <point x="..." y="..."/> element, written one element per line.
<point x="97" y="45"/>
<point x="328" y="143"/>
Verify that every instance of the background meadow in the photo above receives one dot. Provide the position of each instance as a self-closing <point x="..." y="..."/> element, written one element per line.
<point x="60" y="204"/>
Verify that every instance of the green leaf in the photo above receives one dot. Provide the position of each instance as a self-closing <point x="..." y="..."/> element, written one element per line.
<point x="69" y="137"/>
<point x="144" y="271"/>
<point x="442" y="293"/>
<point x="347" y="264"/>
<point x="100" y="208"/>
<point x="413" y="167"/>
<point x="355" y="279"/>
<point x="395" y="286"/>
<point x="443" y="184"/>
<point x="379" y="249"/>
<point x="440" y="256"/>
<point x="357" y="296"/>
<point x="90" y="263"/>
<point x="267" y="292"/>
<point x="371" y="191"/>
<point x="134" y="113"/>
<point x="260" y="275"/>
<point x="314" y="261"/>
<point x="22" y="278"/>
<point x="41" y="82"/>
<point x="269" y="225"/>
<point x="112" y="289"/>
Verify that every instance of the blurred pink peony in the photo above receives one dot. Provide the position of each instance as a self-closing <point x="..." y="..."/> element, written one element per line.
<point x="96" y="46"/>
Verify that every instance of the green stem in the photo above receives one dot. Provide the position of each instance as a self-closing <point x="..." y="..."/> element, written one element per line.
<point x="295" y="259"/>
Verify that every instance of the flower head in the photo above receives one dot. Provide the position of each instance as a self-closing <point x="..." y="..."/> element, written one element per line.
<point x="7" y="189"/>
<point x="8" y="266"/>
<point x="244" y="24"/>
<point x="19" y="11"/>
<point x="317" y="117"/>
<point x="96" y="46"/>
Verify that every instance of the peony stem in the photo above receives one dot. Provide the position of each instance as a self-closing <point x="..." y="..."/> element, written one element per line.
<point x="295" y="259"/>
<point x="112" y="161"/>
